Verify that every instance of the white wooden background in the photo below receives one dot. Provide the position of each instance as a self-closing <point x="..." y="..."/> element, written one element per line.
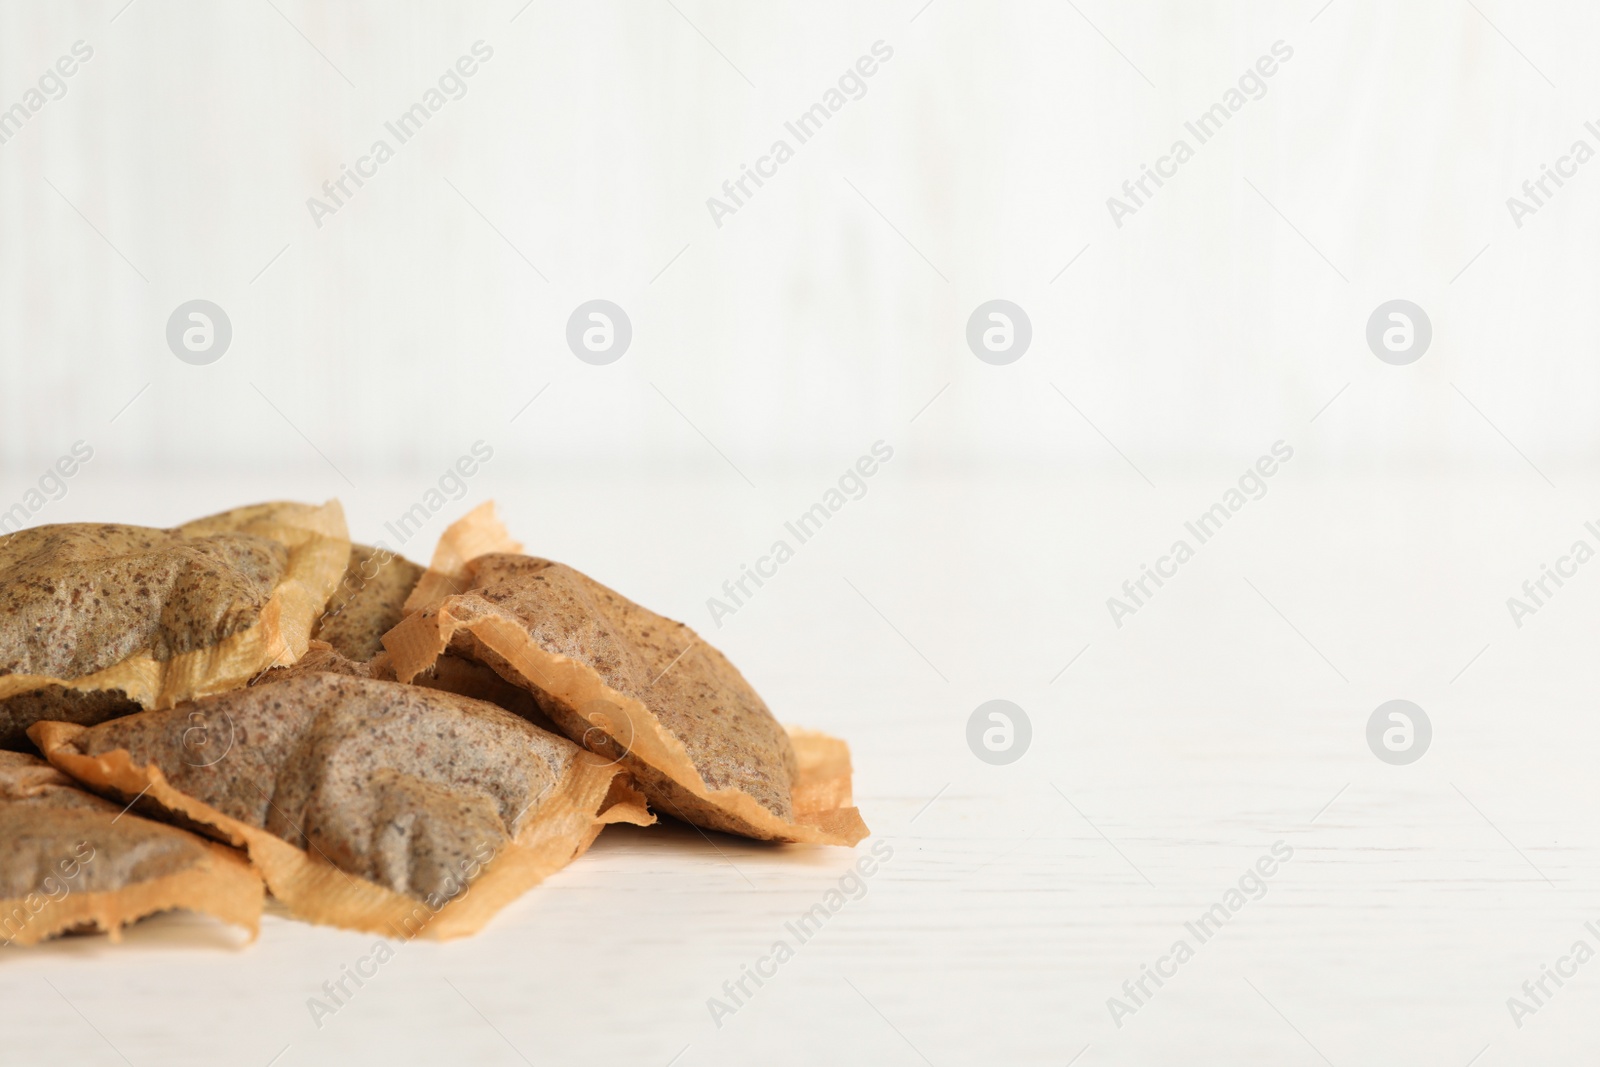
<point x="768" y="355"/>
<point x="830" y="308"/>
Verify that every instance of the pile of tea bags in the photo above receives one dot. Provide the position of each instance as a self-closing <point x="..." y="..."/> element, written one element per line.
<point x="192" y="717"/>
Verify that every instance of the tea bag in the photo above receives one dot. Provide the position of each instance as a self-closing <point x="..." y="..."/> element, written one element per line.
<point x="71" y="861"/>
<point x="97" y="620"/>
<point x="365" y="804"/>
<point x="477" y="532"/>
<point x="368" y="602"/>
<point x="642" y="689"/>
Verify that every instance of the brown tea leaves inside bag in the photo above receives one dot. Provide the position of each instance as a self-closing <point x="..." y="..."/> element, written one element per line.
<point x="368" y="602"/>
<point x="97" y="620"/>
<point x="365" y="804"/>
<point x="636" y="687"/>
<point x="72" y="861"/>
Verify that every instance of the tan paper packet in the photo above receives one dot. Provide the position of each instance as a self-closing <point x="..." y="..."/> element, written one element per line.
<point x="364" y="804"/>
<point x="97" y="620"/>
<point x="636" y="687"/>
<point x="73" y="862"/>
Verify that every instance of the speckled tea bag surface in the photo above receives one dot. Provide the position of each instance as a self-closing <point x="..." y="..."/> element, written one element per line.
<point x="71" y="861"/>
<point x="642" y="689"/>
<point x="364" y="803"/>
<point x="97" y="619"/>
<point x="368" y="602"/>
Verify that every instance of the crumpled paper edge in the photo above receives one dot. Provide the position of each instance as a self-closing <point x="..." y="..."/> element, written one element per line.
<point x="477" y="533"/>
<point x="221" y="885"/>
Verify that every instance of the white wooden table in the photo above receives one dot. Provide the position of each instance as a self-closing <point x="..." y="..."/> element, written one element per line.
<point x="1227" y="715"/>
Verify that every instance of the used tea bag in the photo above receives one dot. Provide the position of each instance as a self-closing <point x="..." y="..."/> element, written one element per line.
<point x="365" y="804"/>
<point x="97" y="620"/>
<point x="368" y="602"/>
<point x="636" y="687"/>
<point x="72" y="861"/>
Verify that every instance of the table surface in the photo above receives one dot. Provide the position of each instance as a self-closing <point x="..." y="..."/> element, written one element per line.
<point x="1224" y="719"/>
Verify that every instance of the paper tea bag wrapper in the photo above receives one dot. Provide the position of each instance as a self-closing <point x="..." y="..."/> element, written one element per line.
<point x="73" y="862"/>
<point x="97" y="620"/>
<point x="639" y="688"/>
<point x="364" y="804"/>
